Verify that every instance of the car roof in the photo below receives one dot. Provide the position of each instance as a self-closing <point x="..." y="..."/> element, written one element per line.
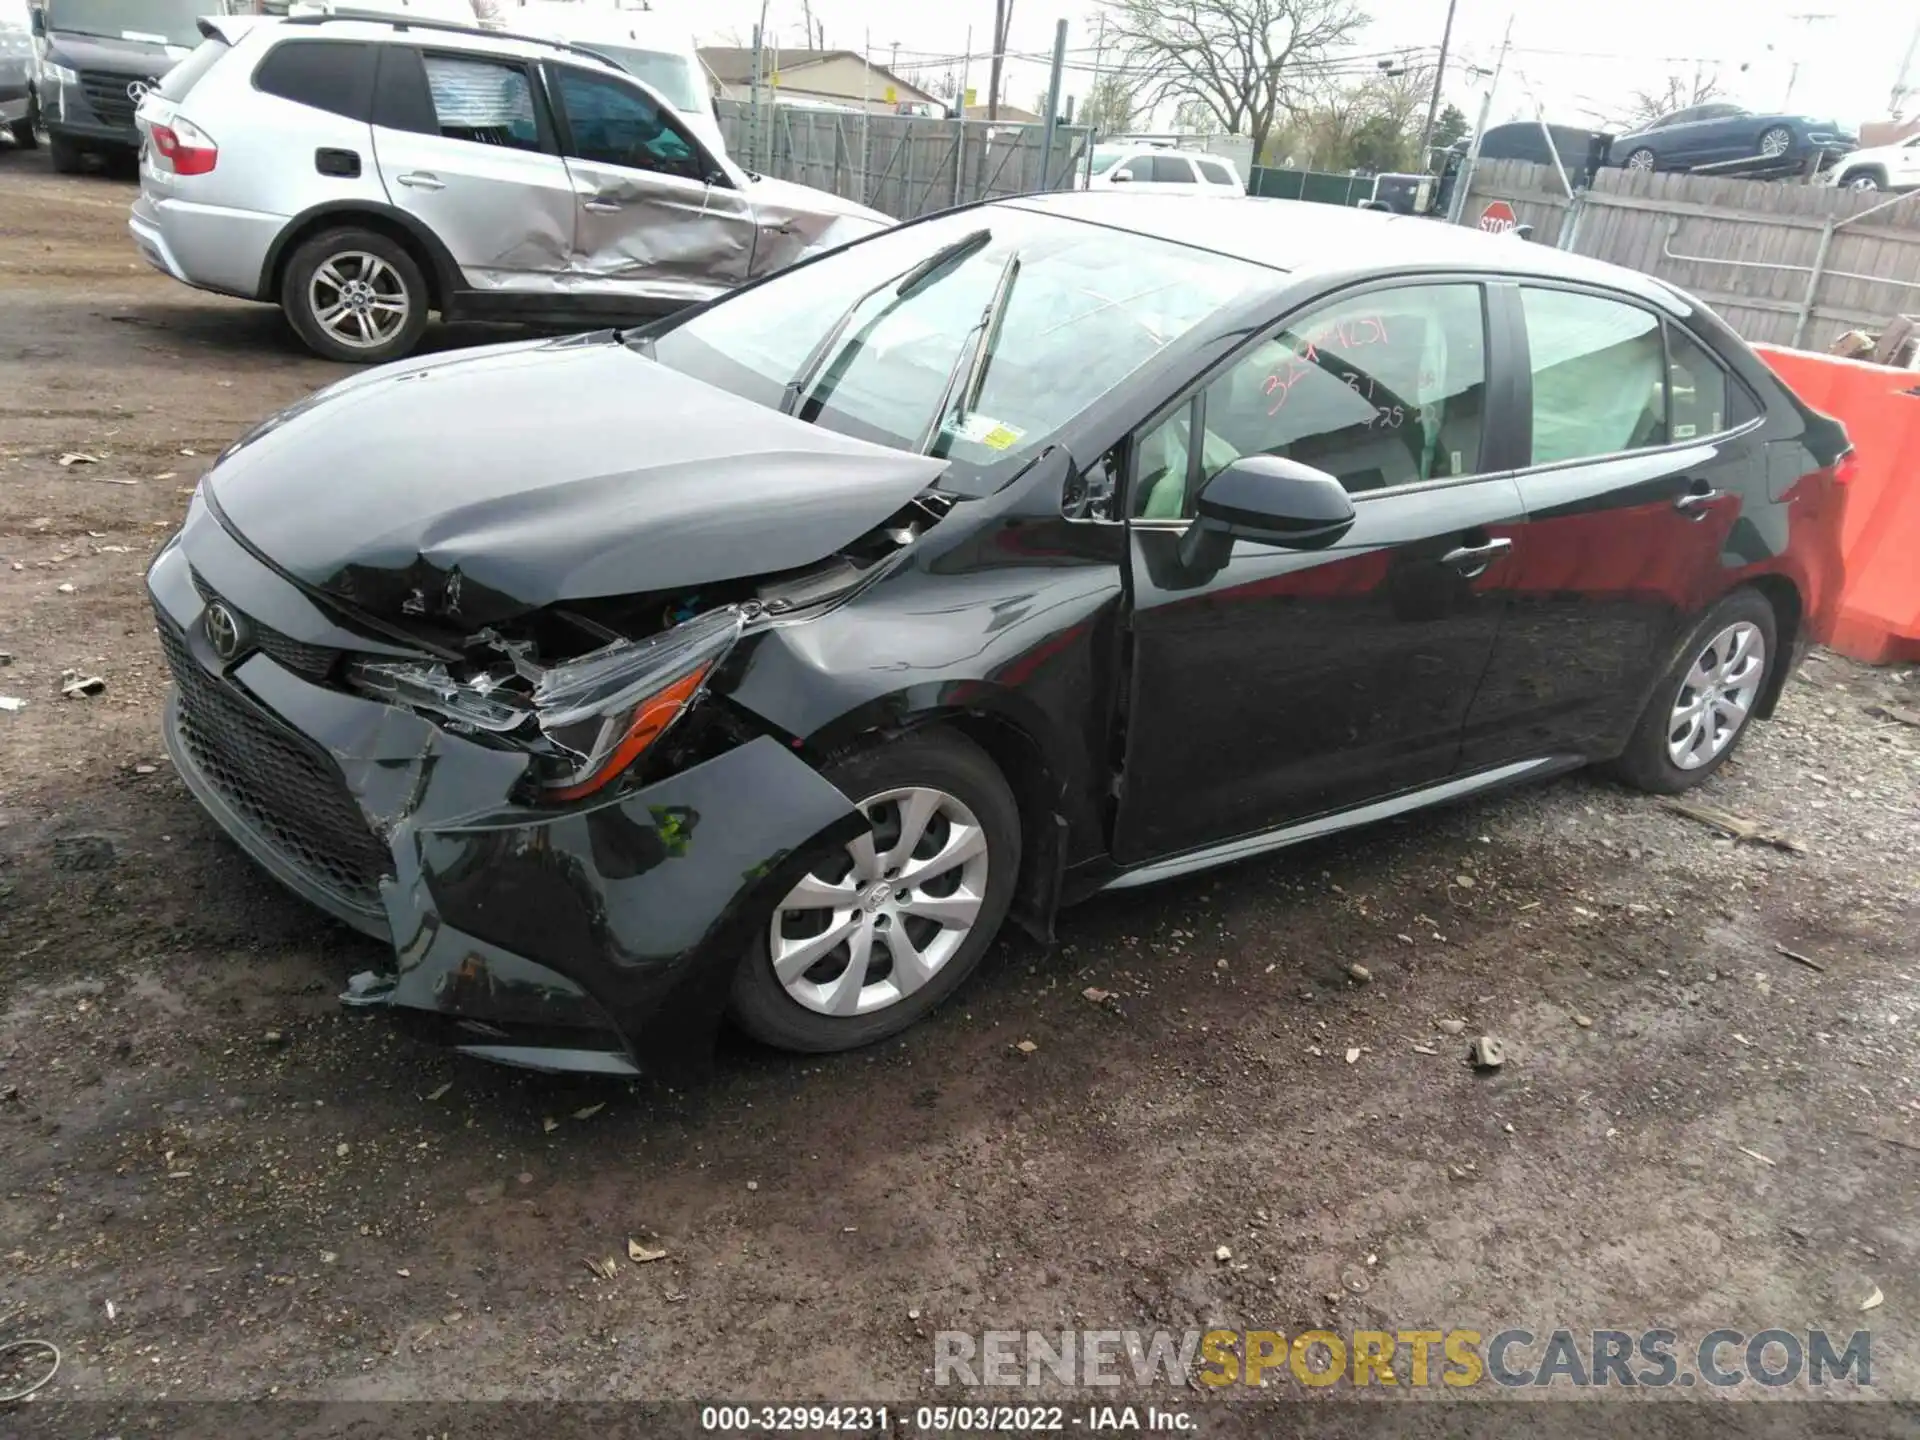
<point x="350" y="24"/>
<point x="1303" y="238"/>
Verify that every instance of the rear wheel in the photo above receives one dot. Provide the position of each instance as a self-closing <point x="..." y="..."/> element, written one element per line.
<point x="26" y="132"/>
<point x="355" y="295"/>
<point x="1700" y="708"/>
<point x="883" y="929"/>
<point x="67" y="154"/>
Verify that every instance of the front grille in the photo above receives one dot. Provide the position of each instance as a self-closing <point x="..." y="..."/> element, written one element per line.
<point x="107" y="96"/>
<point x="313" y="661"/>
<point x="283" y="785"/>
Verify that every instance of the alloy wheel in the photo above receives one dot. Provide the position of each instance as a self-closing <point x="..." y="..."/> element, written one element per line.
<point x="358" y="299"/>
<point x="1716" y="695"/>
<point x="878" y="920"/>
<point x="1776" y="141"/>
<point x="1863" y="182"/>
<point x="1640" y="160"/>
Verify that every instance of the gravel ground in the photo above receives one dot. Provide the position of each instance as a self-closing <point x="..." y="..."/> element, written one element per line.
<point x="214" y="1183"/>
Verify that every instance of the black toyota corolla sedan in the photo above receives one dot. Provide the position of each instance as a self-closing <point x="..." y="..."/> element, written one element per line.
<point x="766" y="661"/>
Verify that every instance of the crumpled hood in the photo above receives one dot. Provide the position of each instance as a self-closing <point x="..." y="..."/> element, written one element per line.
<point x="466" y="489"/>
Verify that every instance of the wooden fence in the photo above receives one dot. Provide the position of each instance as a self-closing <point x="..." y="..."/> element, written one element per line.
<point x="904" y="166"/>
<point x="1782" y="263"/>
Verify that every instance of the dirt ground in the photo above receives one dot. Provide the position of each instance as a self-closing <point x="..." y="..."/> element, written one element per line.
<point x="215" y="1183"/>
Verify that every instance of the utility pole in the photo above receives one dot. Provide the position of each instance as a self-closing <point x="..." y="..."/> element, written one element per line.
<point x="1053" y="99"/>
<point x="1463" y="182"/>
<point x="753" y="109"/>
<point x="1439" y="79"/>
<point x="1002" y="19"/>
<point x="806" y="18"/>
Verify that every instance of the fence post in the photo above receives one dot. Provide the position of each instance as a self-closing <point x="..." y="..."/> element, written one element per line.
<point x="1805" y="313"/>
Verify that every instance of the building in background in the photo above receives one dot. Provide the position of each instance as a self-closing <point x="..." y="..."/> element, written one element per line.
<point x="835" y="77"/>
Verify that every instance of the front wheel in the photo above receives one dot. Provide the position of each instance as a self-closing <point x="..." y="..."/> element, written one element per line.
<point x="1776" y="142"/>
<point x="26" y="132"/>
<point x="67" y="154"/>
<point x="355" y="295"/>
<point x="883" y="929"/>
<point x="1641" y="159"/>
<point x="1865" y="180"/>
<point x="1700" y="707"/>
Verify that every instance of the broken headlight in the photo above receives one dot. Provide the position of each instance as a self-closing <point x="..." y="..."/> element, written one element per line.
<point x="584" y="721"/>
<point x="601" y="712"/>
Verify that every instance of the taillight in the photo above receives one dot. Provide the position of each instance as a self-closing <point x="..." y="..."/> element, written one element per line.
<point x="1846" y="468"/>
<point x="188" y="148"/>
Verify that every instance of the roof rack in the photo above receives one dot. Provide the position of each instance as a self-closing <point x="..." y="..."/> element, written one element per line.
<point x="414" y="22"/>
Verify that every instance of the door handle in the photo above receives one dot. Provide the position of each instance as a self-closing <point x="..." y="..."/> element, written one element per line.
<point x="601" y="206"/>
<point x="1472" y="560"/>
<point x="421" y="180"/>
<point x="1696" y="500"/>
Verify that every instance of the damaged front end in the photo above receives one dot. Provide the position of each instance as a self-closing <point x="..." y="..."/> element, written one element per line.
<point x="559" y="822"/>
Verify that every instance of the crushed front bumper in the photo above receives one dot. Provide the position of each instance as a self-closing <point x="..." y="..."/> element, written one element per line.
<point x="600" y="939"/>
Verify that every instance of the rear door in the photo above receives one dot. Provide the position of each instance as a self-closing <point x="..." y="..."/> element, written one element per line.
<point x="654" y="213"/>
<point x="1641" y="448"/>
<point x="1175" y="173"/>
<point x="1291" y="683"/>
<point x="465" y="145"/>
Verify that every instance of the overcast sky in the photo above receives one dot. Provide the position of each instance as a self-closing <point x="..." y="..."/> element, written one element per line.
<point x="1571" y="56"/>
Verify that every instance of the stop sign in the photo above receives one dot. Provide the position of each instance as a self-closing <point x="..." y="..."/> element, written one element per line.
<point x="1498" y="217"/>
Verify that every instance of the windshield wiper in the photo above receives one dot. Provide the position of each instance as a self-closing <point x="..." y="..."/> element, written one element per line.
<point x="907" y="285"/>
<point x="968" y="378"/>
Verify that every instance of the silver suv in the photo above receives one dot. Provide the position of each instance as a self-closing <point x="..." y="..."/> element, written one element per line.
<point x="360" y="172"/>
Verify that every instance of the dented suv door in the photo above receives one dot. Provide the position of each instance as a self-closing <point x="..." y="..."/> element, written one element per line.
<point x="654" y="213"/>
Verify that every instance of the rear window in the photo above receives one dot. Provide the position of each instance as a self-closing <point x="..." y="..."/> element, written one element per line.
<point x="331" y="75"/>
<point x="1171" y="170"/>
<point x="1215" y="171"/>
<point x="183" y="77"/>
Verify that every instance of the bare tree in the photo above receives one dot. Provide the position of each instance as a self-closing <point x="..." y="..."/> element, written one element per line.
<point x="1246" y="60"/>
<point x="1109" y="105"/>
<point x="1680" y="92"/>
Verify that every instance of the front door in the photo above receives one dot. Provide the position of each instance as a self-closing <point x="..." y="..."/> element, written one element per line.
<point x="1641" y="447"/>
<point x="1292" y="683"/>
<point x="650" y="219"/>
<point x="463" y="146"/>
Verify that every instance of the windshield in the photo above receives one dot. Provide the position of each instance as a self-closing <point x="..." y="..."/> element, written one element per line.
<point x="163" y="22"/>
<point x="672" y="75"/>
<point x="1105" y="160"/>
<point x="1089" y="306"/>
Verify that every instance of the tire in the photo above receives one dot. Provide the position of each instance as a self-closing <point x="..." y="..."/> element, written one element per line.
<point x="1776" y="141"/>
<point x="1649" y="761"/>
<point x="26" y="133"/>
<point x="1870" y="178"/>
<point x="325" y="271"/>
<point x="970" y="786"/>
<point x="1642" y="159"/>
<point x="67" y="154"/>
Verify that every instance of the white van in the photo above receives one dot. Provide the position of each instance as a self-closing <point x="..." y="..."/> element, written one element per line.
<point x="649" y="46"/>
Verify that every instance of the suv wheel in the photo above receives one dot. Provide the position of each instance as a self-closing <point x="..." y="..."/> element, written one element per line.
<point x="1700" y="707"/>
<point x="67" y="154"/>
<point x="886" y="927"/>
<point x="355" y="295"/>
<point x="26" y="132"/>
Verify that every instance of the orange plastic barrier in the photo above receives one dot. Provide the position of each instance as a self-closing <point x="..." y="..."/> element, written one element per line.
<point x="1878" y="617"/>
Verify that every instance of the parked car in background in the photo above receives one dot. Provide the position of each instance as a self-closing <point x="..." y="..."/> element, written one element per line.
<point x="1163" y="171"/>
<point x="362" y="172"/>
<point x="769" y="657"/>
<point x="97" y="60"/>
<point x="1719" y="134"/>
<point x="1884" y="167"/>
<point x="19" y="111"/>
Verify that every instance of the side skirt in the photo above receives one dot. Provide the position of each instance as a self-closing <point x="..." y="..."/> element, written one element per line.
<point x="1247" y="846"/>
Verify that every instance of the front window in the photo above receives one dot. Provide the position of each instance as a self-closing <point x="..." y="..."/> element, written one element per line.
<point x="1086" y="307"/>
<point x="1105" y="160"/>
<point x="671" y="75"/>
<point x="161" y="22"/>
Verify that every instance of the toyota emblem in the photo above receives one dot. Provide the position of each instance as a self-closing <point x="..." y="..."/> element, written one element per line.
<point x="223" y="631"/>
<point x="139" y="90"/>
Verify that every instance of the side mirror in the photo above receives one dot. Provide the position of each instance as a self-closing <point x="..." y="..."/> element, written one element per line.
<point x="1121" y="177"/>
<point x="1271" y="501"/>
